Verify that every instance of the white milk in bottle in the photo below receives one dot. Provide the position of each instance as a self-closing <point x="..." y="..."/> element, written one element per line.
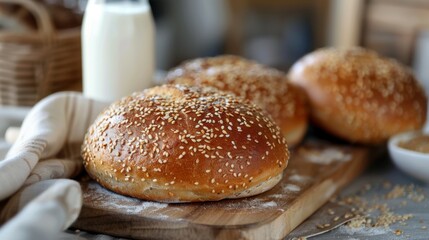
<point x="118" y="44"/>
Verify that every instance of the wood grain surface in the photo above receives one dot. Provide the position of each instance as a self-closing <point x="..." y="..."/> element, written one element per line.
<point x="315" y="173"/>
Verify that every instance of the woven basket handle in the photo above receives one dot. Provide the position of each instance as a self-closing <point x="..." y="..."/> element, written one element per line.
<point x="46" y="31"/>
<point x="44" y="23"/>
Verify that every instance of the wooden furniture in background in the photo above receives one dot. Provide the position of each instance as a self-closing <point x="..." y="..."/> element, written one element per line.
<point x="345" y="25"/>
<point x="392" y="27"/>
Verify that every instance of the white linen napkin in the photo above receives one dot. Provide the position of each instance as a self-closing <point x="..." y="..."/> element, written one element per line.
<point x="47" y="147"/>
<point x="46" y="208"/>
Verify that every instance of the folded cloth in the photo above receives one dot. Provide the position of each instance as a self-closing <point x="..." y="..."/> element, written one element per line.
<point x="47" y="147"/>
<point x="54" y="168"/>
<point x="50" y="206"/>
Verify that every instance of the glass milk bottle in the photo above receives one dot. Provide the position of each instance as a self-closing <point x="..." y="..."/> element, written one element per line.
<point x="118" y="44"/>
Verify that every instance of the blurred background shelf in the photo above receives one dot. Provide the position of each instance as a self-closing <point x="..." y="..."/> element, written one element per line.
<point x="273" y="32"/>
<point x="276" y="32"/>
<point x="393" y="27"/>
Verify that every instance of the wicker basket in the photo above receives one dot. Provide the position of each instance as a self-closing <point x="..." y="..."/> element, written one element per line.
<point x="34" y="65"/>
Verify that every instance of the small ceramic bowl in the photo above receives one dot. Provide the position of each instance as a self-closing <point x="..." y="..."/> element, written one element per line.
<point x="411" y="162"/>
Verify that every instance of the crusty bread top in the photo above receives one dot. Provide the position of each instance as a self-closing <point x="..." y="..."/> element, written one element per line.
<point x="199" y="139"/>
<point x="375" y="96"/>
<point x="266" y="87"/>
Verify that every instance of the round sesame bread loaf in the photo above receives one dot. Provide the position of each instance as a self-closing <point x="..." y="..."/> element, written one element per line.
<point x="358" y="95"/>
<point x="265" y="87"/>
<point x="174" y="143"/>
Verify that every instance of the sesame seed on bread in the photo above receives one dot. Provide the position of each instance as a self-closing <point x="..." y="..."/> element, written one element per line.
<point x="176" y="143"/>
<point x="266" y="87"/>
<point x="359" y="95"/>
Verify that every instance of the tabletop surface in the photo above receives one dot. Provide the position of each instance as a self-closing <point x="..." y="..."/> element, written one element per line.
<point x="378" y="186"/>
<point x="382" y="186"/>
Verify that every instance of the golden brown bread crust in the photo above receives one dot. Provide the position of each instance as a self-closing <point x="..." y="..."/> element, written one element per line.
<point x="358" y="95"/>
<point x="265" y="87"/>
<point x="178" y="144"/>
<point x="203" y="64"/>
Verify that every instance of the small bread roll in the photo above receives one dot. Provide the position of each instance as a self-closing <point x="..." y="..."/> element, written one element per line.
<point x="265" y="87"/>
<point x="184" y="144"/>
<point x="360" y="96"/>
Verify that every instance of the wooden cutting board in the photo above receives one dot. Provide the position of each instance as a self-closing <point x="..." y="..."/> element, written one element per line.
<point x="315" y="173"/>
